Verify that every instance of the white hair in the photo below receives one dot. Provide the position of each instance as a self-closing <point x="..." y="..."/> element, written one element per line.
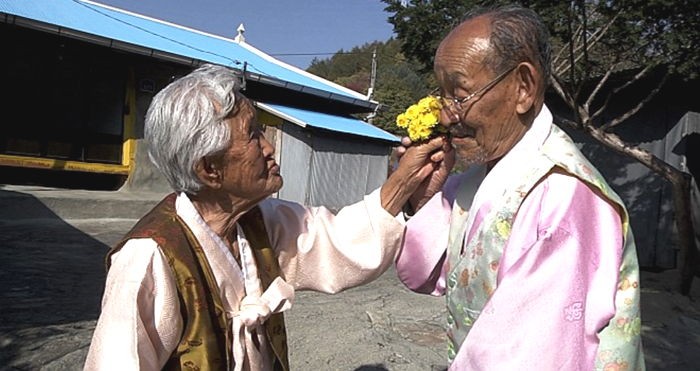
<point x="185" y="123"/>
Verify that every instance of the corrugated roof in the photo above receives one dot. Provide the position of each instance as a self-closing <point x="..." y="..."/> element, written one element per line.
<point x="136" y="33"/>
<point x="320" y="120"/>
<point x="130" y="31"/>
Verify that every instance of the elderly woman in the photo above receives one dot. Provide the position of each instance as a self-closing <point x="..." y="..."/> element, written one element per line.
<point x="202" y="280"/>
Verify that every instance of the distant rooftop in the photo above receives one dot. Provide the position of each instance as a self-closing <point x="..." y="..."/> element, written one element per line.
<point x="121" y="29"/>
<point x="299" y="96"/>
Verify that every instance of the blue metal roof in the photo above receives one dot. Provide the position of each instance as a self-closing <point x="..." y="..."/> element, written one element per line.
<point x="144" y="35"/>
<point x="335" y="123"/>
<point x="141" y="31"/>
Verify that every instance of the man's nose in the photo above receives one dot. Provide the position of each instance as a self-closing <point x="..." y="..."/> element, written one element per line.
<point x="447" y="117"/>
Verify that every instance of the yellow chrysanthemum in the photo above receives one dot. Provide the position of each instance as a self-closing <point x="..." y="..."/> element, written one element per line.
<point x="424" y="105"/>
<point x="402" y="121"/>
<point x="417" y="132"/>
<point x="413" y="111"/>
<point x="420" y="118"/>
<point x="428" y="120"/>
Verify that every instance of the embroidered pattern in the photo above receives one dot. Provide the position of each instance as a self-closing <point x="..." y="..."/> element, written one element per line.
<point x="574" y="312"/>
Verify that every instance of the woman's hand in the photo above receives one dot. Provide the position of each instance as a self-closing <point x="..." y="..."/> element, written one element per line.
<point x="423" y="168"/>
<point x="443" y="161"/>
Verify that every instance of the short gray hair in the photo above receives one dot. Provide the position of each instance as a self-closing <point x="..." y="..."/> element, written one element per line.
<point x="185" y="123"/>
<point x="517" y="34"/>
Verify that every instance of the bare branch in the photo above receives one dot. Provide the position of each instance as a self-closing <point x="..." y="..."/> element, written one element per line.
<point x="600" y="85"/>
<point x="594" y="38"/>
<point x="566" y="64"/>
<point x="556" y="83"/>
<point x="636" y="78"/>
<point x="600" y="32"/>
<point x="570" y="123"/>
<point x="572" y="54"/>
<point x="584" y="22"/>
<point x="582" y="116"/>
<point x="556" y="59"/>
<point x="636" y="108"/>
<point x="585" y="65"/>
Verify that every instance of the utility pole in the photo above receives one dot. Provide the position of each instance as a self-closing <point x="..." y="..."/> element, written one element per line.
<point x="372" y="81"/>
<point x="373" y="75"/>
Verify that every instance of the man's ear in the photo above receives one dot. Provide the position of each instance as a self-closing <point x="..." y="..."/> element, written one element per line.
<point x="208" y="170"/>
<point x="528" y="81"/>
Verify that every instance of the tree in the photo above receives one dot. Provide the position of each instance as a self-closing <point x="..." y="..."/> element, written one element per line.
<point x="398" y="86"/>
<point x="421" y="24"/>
<point x="602" y="50"/>
<point x="398" y="83"/>
<point x="345" y="64"/>
<point x="652" y="39"/>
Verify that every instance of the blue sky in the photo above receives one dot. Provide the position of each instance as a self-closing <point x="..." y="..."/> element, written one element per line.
<point x="277" y="26"/>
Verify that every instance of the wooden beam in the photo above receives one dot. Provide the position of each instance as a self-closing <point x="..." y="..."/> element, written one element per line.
<point x="55" y="164"/>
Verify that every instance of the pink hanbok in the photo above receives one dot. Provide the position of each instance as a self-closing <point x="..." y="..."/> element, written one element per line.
<point x="536" y="259"/>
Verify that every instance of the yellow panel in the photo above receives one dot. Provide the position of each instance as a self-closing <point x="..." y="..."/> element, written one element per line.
<point x="48" y="163"/>
<point x="129" y="145"/>
<point x="268" y="119"/>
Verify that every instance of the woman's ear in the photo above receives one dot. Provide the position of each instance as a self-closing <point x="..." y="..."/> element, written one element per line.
<point x="528" y="81"/>
<point x="209" y="172"/>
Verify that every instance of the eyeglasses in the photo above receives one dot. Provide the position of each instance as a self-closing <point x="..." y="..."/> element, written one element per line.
<point x="452" y="103"/>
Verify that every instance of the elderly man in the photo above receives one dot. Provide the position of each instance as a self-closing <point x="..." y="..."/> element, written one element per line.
<point x="201" y="281"/>
<point x="531" y="247"/>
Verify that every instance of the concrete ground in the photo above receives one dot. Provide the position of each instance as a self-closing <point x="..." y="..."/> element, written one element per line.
<point x="52" y="246"/>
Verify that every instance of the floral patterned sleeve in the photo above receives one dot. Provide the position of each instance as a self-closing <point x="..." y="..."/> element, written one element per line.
<point x="420" y="262"/>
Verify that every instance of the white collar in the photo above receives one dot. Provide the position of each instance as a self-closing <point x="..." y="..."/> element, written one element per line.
<point x="189" y="214"/>
<point x="530" y="142"/>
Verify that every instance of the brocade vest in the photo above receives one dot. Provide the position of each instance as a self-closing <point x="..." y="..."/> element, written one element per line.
<point x="472" y="266"/>
<point x="206" y="338"/>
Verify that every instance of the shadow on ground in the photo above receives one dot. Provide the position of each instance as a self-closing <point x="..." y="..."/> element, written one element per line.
<point x="381" y="367"/>
<point x="51" y="277"/>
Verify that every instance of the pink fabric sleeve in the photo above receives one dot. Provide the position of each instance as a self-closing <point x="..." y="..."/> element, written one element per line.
<point x="139" y="326"/>
<point x="420" y="262"/>
<point x="556" y="283"/>
<point x="320" y="251"/>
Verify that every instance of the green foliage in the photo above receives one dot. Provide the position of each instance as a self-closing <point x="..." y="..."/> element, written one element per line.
<point x="347" y="67"/>
<point x="421" y="25"/>
<point x="589" y="37"/>
<point x="642" y="32"/>
<point x="398" y="83"/>
<point x="600" y="37"/>
<point x="398" y="86"/>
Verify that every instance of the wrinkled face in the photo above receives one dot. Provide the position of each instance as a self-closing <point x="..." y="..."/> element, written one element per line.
<point x="249" y="168"/>
<point x="487" y="126"/>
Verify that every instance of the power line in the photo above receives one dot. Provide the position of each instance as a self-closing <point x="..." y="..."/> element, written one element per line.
<point x="398" y="59"/>
<point x="334" y="53"/>
<point x="90" y="7"/>
<point x="233" y="61"/>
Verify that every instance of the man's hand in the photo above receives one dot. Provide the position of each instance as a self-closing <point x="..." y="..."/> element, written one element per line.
<point x="432" y="184"/>
<point x="423" y="168"/>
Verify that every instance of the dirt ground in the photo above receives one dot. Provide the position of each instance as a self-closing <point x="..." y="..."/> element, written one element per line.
<point x="52" y="277"/>
<point x="670" y="322"/>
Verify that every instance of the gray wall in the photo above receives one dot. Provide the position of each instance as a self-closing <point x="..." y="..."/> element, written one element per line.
<point x="329" y="169"/>
<point x="648" y="197"/>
